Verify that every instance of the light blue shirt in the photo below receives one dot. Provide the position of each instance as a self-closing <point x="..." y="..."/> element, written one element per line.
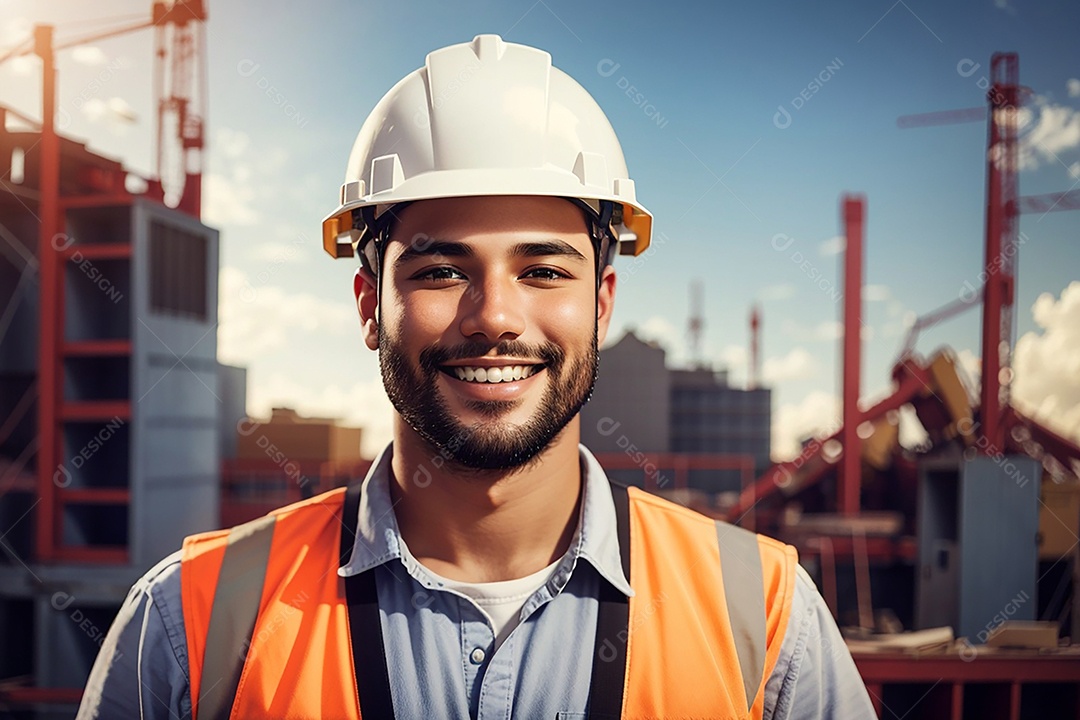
<point x="440" y="644"/>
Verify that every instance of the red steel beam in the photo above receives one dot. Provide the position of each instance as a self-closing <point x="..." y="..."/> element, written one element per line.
<point x="1068" y="200"/>
<point x="49" y="335"/>
<point x="755" y="347"/>
<point x="96" y="496"/>
<point x="40" y="695"/>
<point x="96" y="410"/>
<point x="793" y="476"/>
<point x="104" y="251"/>
<point x="997" y="294"/>
<point x="998" y="666"/>
<point x="97" y="348"/>
<point x="851" y="470"/>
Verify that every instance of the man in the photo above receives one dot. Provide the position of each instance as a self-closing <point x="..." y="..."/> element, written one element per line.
<point x="486" y="567"/>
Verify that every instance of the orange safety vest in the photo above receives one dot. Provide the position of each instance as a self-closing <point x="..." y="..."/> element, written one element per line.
<point x="270" y="624"/>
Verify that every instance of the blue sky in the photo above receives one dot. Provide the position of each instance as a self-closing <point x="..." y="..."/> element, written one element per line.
<point x="290" y="85"/>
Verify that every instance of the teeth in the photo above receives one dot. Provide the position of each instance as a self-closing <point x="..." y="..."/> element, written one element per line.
<point x="494" y="375"/>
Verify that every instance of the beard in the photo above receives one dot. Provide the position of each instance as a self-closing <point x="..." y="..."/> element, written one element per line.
<point x="488" y="444"/>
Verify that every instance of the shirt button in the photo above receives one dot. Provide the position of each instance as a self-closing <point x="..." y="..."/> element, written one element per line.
<point x="477" y="656"/>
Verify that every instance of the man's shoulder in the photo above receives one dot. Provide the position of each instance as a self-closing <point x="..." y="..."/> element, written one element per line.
<point x="200" y="543"/>
<point x="676" y="514"/>
<point x="645" y="500"/>
<point x="161" y="583"/>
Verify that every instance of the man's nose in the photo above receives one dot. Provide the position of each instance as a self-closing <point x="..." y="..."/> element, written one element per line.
<point x="493" y="310"/>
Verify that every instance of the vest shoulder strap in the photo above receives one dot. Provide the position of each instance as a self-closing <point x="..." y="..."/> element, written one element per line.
<point x="233" y="613"/>
<point x="365" y="623"/>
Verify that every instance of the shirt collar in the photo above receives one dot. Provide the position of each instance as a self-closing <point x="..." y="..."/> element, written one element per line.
<point x="596" y="538"/>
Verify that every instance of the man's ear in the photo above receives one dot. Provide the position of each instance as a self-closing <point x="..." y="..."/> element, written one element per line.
<point x="605" y="303"/>
<point x="367" y="302"/>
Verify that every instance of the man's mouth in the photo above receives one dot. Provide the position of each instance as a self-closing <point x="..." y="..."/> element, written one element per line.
<point x="492" y="375"/>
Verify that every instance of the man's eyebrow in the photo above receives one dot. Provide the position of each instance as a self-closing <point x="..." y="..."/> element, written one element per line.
<point x="545" y="248"/>
<point x="429" y="247"/>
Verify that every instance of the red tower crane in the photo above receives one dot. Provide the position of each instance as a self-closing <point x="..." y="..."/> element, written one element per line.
<point x="1003" y="428"/>
<point x="180" y="101"/>
<point x="1003" y="207"/>
<point x="755" y="348"/>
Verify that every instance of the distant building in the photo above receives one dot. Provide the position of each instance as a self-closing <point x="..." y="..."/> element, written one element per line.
<point x="285" y="459"/>
<point x="640" y="404"/>
<point x="710" y="416"/>
<point x="632" y="399"/>
<point x="301" y="439"/>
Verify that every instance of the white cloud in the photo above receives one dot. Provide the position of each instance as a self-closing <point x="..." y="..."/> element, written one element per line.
<point x="1047" y="363"/>
<point x="1073" y="86"/>
<point x="660" y="330"/>
<point x="735" y="357"/>
<point x="89" y="55"/>
<point x="833" y="246"/>
<point x="16" y="32"/>
<point x="226" y="202"/>
<point x="120" y="108"/>
<point x="229" y="191"/>
<point x="829" y="330"/>
<point x="256" y="317"/>
<point x="1046" y="132"/>
<point x="777" y="292"/>
<point x="23" y="65"/>
<point x="1074" y="170"/>
<point x="969" y="366"/>
<point x="875" y="293"/>
<point x="798" y="364"/>
<point x="231" y="143"/>
<point x="115" y="111"/>
<point x="362" y="404"/>
<point x="815" y="415"/>
<point x="911" y="432"/>
<point x="94" y="109"/>
<point x="276" y="251"/>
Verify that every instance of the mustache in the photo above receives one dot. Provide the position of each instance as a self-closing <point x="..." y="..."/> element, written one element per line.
<point x="435" y="355"/>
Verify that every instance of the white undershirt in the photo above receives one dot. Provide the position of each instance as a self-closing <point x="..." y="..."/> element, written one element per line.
<point x="501" y="601"/>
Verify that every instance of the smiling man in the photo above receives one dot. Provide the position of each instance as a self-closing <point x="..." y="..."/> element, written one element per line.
<point x="486" y="567"/>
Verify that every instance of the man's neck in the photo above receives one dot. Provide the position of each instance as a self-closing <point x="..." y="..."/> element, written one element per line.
<point x="486" y="527"/>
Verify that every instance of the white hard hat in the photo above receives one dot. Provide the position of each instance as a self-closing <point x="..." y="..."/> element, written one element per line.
<point x="485" y="118"/>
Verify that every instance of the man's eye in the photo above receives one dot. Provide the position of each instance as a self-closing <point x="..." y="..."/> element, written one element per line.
<point x="545" y="273"/>
<point x="439" y="273"/>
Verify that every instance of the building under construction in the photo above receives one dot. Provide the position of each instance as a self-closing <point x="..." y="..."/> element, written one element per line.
<point x="110" y="397"/>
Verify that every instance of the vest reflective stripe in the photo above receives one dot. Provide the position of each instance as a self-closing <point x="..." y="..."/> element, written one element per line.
<point x="232" y="617"/>
<point x="704" y="631"/>
<point x="740" y="566"/>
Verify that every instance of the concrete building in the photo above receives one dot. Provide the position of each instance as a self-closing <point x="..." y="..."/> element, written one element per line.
<point x="110" y="449"/>
<point x="642" y="405"/>
<point x="710" y="416"/>
<point x="284" y="459"/>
